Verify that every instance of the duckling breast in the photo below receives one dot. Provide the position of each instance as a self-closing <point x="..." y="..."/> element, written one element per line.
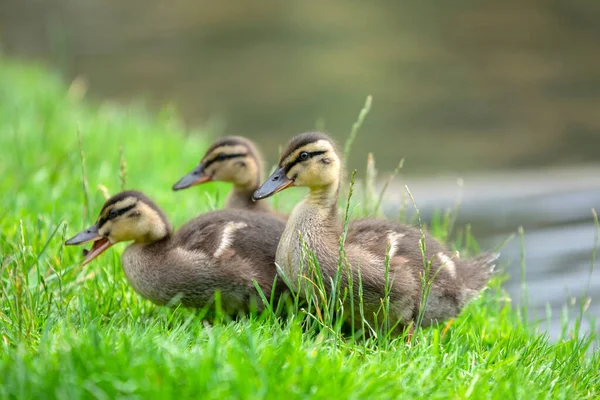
<point x="308" y="231"/>
<point x="289" y="256"/>
<point x="162" y="276"/>
<point x="139" y="271"/>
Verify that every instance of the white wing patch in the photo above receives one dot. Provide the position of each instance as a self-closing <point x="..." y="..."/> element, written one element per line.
<point x="394" y="240"/>
<point x="227" y="237"/>
<point x="447" y="264"/>
<point x="190" y="256"/>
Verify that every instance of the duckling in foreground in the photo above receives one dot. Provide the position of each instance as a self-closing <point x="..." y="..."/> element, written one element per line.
<point x="313" y="161"/>
<point x="235" y="160"/>
<point x="221" y="250"/>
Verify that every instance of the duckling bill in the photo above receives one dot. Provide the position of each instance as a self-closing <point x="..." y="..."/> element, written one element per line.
<point x="277" y="182"/>
<point x="90" y="234"/>
<point x="196" y="177"/>
<point x="223" y="251"/>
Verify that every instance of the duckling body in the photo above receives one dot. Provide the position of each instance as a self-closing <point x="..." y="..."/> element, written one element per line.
<point x="312" y="160"/>
<point x="236" y="160"/>
<point x="223" y="250"/>
<point x="456" y="281"/>
<point x="218" y="251"/>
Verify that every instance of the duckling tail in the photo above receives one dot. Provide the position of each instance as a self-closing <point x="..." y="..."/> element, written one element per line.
<point x="488" y="261"/>
<point x="481" y="269"/>
<point x="476" y="275"/>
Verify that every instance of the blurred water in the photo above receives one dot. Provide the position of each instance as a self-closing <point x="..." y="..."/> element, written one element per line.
<point x="461" y="87"/>
<point x="457" y="86"/>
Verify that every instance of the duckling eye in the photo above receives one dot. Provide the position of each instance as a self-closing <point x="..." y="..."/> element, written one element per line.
<point x="303" y="156"/>
<point x="112" y="213"/>
<point x="220" y="157"/>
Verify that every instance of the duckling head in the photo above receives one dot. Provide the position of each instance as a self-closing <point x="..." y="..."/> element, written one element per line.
<point x="230" y="159"/>
<point x="309" y="160"/>
<point x="127" y="216"/>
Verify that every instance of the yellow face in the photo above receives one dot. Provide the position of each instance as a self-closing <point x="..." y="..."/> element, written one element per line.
<point x="123" y="218"/>
<point x="234" y="161"/>
<point x="232" y="164"/>
<point x="130" y="219"/>
<point x="314" y="164"/>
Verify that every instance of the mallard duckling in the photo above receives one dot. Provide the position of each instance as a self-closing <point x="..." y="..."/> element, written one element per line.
<point x="235" y="160"/>
<point x="221" y="250"/>
<point x="312" y="160"/>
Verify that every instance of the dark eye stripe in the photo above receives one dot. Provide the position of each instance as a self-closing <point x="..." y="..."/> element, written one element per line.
<point x="125" y="209"/>
<point x="224" y="157"/>
<point x="120" y="211"/>
<point x="311" y="154"/>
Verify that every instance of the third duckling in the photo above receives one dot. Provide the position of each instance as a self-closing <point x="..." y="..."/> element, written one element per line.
<point x="235" y="160"/>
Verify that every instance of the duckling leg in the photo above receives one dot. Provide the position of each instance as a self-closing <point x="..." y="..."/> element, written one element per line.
<point x="409" y="334"/>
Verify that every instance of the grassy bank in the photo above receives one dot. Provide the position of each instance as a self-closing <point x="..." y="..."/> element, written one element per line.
<point x="69" y="331"/>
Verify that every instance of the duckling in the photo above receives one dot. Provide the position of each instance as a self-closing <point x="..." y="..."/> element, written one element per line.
<point x="220" y="250"/>
<point x="312" y="160"/>
<point x="232" y="159"/>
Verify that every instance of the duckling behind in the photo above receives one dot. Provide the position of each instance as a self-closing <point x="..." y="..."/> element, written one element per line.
<point x="312" y="160"/>
<point x="221" y="250"/>
<point x="232" y="159"/>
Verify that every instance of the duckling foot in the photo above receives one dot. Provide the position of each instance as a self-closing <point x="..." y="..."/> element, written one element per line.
<point x="409" y="334"/>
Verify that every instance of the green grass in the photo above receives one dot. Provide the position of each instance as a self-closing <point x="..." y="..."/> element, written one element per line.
<point x="81" y="332"/>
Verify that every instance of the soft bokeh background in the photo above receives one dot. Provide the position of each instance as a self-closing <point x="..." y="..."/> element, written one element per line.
<point x="503" y="95"/>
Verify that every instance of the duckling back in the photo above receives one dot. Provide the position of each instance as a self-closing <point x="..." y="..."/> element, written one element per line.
<point x="454" y="282"/>
<point x="219" y="251"/>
